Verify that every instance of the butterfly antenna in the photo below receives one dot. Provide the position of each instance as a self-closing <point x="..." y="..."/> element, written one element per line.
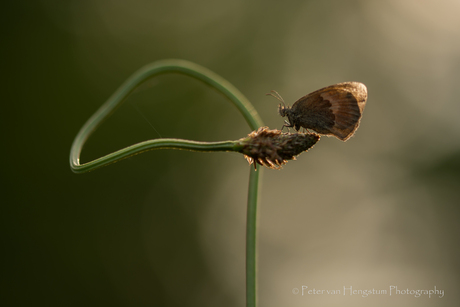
<point x="277" y="96"/>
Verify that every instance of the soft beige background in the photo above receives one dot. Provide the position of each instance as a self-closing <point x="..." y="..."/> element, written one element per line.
<point x="167" y="228"/>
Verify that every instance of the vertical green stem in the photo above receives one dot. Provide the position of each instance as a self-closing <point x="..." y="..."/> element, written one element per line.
<point x="251" y="238"/>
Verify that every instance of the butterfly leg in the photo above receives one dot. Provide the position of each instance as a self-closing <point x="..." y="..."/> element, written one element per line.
<point x="287" y="125"/>
<point x="282" y="128"/>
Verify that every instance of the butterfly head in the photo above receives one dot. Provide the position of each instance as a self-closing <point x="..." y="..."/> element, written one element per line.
<point x="286" y="111"/>
<point x="282" y="110"/>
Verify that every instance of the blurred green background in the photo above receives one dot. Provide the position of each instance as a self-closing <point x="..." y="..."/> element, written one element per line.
<point x="167" y="228"/>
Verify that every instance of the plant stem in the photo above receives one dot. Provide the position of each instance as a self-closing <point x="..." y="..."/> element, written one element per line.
<point x="251" y="256"/>
<point x="215" y="81"/>
<point x="156" y="144"/>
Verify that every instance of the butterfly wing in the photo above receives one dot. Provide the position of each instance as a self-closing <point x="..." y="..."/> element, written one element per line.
<point x="334" y="110"/>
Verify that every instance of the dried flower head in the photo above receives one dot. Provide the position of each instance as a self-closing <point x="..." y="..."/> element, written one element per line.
<point x="272" y="148"/>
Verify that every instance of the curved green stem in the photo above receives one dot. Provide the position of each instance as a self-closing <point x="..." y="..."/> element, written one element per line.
<point x="157" y="144"/>
<point x="145" y="73"/>
<point x="215" y="81"/>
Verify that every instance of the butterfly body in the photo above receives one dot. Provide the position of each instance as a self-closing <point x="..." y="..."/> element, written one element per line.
<point x="334" y="110"/>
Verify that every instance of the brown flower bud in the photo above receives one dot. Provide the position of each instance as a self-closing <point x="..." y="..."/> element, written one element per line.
<point x="272" y="148"/>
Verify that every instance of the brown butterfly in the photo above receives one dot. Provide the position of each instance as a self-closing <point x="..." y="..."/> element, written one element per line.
<point x="334" y="110"/>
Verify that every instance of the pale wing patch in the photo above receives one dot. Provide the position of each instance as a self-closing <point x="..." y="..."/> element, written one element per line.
<point x="347" y="104"/>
